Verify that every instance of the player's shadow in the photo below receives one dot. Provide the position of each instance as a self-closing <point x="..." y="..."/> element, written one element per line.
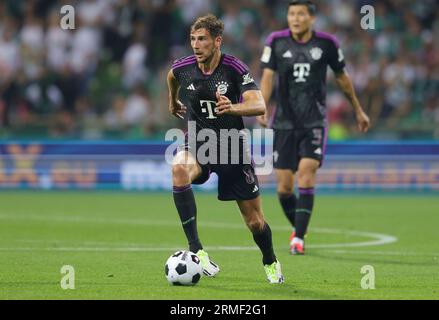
<point x="366" y="258"/>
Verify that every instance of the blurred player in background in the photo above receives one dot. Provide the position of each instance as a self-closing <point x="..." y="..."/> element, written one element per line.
<point x="217" y="90"/>
<point x="300" y="56"/>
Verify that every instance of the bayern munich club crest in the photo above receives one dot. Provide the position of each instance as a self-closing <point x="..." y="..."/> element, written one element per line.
<point x="316" y="53"/>
<point x="222" y="87"/>
<point x="249" y="176"/>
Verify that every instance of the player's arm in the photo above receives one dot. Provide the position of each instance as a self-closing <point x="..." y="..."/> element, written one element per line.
<point x="267" y="90"/>
<point x="345" y="83"/>
<point x="176" y="108"/>
<point x="252" y="105"/>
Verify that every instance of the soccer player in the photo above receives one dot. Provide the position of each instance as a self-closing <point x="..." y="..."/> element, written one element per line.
<point x="217" y="90"/>
<point x="300" y="57"/>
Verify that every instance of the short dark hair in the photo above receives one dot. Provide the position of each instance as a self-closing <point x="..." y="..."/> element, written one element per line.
<point x="211" y="23"/>
<point x="312" y="7"/>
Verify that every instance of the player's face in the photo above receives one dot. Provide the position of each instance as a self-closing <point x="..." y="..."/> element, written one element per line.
<point x="204" y="45"/>
<point x="300" y="20"/>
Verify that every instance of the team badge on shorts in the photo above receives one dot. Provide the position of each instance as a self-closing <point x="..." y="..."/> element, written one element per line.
<point x="249" y="175"/>
<point x="275" y="156"/>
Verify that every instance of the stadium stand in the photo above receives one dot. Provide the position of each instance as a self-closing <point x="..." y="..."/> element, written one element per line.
<point x="106" y="78"/>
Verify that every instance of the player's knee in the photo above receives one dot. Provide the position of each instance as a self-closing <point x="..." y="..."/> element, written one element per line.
<point x="256" y="224"/>
<point x="180" y="174"/>
<point x="284" y="189"/>
<point x="306" y="178"/>
<point x="285" y="182"/>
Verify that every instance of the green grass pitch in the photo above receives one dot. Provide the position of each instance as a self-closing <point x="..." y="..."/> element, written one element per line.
<point x="118" y="244"/>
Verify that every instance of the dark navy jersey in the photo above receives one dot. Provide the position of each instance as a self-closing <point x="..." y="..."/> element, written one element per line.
<point x="301" y="69"/>
<point x="231" y="78"/>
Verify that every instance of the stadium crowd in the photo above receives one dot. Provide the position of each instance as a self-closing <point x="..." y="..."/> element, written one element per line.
<point x="106" y="78"/>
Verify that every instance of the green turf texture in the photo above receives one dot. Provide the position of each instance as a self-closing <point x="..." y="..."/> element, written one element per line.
<point x="118" y="244"/>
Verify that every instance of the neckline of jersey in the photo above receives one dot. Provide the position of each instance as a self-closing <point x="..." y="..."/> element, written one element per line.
<point x="216" y="68"/>
<point x="300" y="42"/>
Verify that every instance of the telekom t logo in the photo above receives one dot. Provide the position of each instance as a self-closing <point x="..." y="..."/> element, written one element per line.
<point x="208" y="107"/>
<point x="301" y="71"/>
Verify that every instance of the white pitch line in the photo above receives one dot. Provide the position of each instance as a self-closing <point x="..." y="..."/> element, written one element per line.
<point x="211" y="248"/>
<point x="378" y="238"/>
<point x="92" y="249"/>
<point x="381" y="239"/>
<point x="127" y="249"/>
<point x="386" y="253"/>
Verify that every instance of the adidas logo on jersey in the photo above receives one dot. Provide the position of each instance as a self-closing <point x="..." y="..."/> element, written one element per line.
<point x="288" y="54"/>
<point x="255" y="189"/>
<point x="191" y="87"/>
<point x="318" y="151"/>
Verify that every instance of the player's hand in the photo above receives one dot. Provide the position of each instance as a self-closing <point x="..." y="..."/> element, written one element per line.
<point x="363" y="121"/>
<point x="224" y="105"/>
<point x="177" y="109"/>
<point x="262" y="120"/>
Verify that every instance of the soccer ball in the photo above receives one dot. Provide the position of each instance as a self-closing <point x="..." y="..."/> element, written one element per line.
<point x="183" y="268"/>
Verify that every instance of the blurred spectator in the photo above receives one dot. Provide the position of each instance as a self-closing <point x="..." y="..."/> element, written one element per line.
<point x="128" y="113"/>
<point x="57" y="44"/>
<point x="9" y="51"/>
<point x="134" y="63"/>
<point x="113" y="118"/>
<point x="136" y="108"/>
<point x="92" y="81"/>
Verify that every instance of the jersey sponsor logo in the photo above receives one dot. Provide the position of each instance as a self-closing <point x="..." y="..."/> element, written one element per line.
<point x="222" y="87"/>
<point x="266" y="55"/>
<point x="316" y="53"/>
<point x="208" y="106"/>
<point x="191" y="87"/>
<point x="301" y="71"/>
<point x="247" y="79"/>
<point x="287" y="54"/>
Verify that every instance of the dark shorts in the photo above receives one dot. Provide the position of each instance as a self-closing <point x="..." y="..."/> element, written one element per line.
<point x="290" y="146"/>
<point x="235" y="181"/>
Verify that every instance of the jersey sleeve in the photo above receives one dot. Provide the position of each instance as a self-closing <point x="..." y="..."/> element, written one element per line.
<point x="178" y="64"/>
<point x="176" y="72"/>
<point x="246" y="82"/>
<point x="336" y="58"/>
<point x="243" y="77"/>
<point x="268" y="59"/>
